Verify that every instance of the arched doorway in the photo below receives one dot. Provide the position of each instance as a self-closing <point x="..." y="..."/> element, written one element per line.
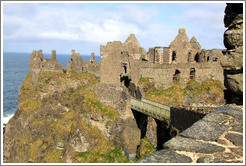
<point x="176" y="76"/>
<point x="125" y="80"/>
<point x="197" y="57"/>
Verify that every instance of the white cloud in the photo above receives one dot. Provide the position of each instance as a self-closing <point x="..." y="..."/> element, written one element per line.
<point x="99" y="24"/>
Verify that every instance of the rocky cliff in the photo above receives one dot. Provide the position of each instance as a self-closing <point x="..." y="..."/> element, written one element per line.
<point x="232" y="62"/>
<point x="61" y="119"/>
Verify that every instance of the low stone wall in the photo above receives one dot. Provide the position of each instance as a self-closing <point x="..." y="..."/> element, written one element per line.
<point x="163" y="74"/>
<point x="217" y="138"/>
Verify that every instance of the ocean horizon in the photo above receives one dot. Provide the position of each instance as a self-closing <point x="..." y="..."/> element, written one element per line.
<point x="15" y="68"/>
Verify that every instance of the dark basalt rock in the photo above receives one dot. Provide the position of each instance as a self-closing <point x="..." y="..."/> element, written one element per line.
<point x="191" y="145"/>
<point x="166" y="156"/>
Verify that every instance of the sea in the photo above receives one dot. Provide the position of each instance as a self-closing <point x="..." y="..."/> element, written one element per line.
<point x="15" y="68"/>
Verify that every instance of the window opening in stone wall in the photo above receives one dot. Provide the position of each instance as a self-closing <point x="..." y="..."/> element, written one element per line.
<point x="207" y="58"/>
<point x="196" y="57"/>
<point x="192" y="73"/>
<point x="189" y="56"/>
<point x="174" y="56"/>
<point x="176" y="76"/>
<point x="125" y="68"/>
<point x="125" y="80"/>
<point x="215" y="59"/>
<point x="124" y="65"/>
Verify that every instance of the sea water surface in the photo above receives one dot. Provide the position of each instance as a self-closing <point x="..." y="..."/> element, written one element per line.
<point x="15" y="68"/>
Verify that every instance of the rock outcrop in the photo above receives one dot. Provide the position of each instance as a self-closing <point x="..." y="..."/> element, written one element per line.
<point x="118" y="97"/>
<point x="232" y="62"/>
<point x="59" y="119"/>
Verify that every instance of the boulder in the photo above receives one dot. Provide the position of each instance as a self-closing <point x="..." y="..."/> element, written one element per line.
<point x="232" y="61"/>
<point x="234" y="82"/>
<point x="233" y="38"/>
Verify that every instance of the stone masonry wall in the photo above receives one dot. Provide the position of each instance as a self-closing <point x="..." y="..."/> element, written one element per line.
<point x="181" y="46"/>
<point x="163" y="74"/>
<point x="217" y="138"/>
<point x="78" y="65"/>
<point x="39" y="63"/>
<point x="119" y="60"/>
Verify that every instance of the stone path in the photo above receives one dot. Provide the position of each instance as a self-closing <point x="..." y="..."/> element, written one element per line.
<point x="217" y="138"/>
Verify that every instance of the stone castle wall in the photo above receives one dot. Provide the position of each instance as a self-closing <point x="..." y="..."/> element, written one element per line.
<point x="163" y="74"/>
<point x="78" y="65"/>
<point x="121" y="60"/>
<point x="39" y="63"/>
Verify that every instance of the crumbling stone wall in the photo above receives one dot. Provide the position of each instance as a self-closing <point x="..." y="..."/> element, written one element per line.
<point x="78" y="65"/>
<point x="119" y="60"/>
<point x="182" y="61"/>
<point x="232" y="62"/>
<point x="181" y="47"/>
<point x="181" y="50"/>
<point x="213" y="55"/>
<point x="94" y="66"/>
<point x="39" y="63"/>
<point x="163" y="75"/>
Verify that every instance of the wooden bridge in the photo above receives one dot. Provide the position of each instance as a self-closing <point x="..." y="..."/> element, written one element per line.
<point x="151" y="108"/>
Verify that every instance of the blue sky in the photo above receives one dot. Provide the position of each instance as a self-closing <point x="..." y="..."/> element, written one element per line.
<point x="83" y="27"/>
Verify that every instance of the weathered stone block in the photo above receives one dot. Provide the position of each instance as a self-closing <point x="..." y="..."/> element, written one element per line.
<point x="237" y="113"/>
<point x="166" y="156"/>
<point x="215" y="117"/>
<point x="236" y="139"/>
<point x="233" y="38"/>
<point x="208" y="131"/>
<point x="191" y="145"/>
<point x="234" y="82"/>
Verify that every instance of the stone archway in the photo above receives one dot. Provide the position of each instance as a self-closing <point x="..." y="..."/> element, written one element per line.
<point x="176" y="76"/>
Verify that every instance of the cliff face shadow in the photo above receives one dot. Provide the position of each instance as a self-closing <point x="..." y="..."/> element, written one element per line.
<point x="163" y="132"/>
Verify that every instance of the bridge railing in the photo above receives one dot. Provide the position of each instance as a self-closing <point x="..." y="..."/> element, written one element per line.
<point x="153" y="109"/>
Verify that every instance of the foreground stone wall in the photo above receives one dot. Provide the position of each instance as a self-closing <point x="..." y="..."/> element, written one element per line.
<point x="217" y="138"/>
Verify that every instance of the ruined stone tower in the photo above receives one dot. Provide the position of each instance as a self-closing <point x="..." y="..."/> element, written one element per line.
<point x="121" y="61"/>
<point x="181" y="47"/>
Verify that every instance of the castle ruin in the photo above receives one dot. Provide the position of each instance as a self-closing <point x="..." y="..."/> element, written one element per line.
<point x="181" y="61"/>
<point x="125" y="63"/>
<point x="39" y="63"/>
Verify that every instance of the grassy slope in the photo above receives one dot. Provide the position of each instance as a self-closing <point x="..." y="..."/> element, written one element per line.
<point x="207" y="92"/>
<point x="51" y="124"/>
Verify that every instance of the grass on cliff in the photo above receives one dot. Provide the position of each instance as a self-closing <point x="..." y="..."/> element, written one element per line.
<point x="174" y="95"/>
<point x="115" y="155"/>
<point x="60" y="103"/>
<point x="75" y="90"/>
<point x="146" y="148"/>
